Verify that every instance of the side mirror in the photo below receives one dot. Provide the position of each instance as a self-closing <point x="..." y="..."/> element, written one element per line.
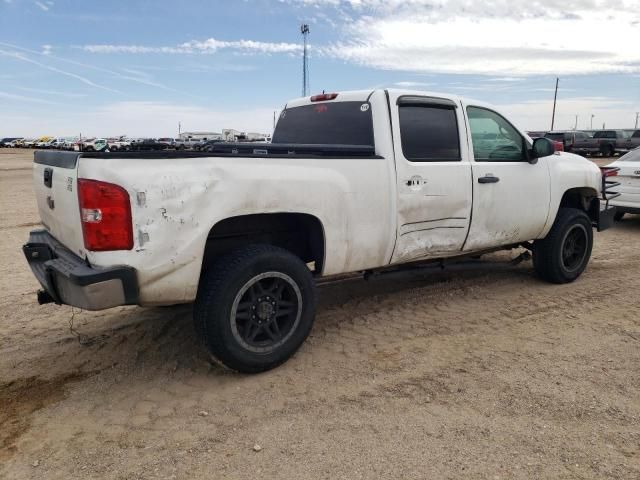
<point x="542" y="147"/>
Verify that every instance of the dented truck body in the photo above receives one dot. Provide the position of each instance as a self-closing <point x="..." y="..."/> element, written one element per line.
<point x="477" y="188"/>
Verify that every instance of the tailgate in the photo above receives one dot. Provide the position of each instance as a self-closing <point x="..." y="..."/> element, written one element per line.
<point x="55" y="185"/>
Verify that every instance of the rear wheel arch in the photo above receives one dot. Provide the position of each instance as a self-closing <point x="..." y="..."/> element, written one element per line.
<point x="299" y="233"/>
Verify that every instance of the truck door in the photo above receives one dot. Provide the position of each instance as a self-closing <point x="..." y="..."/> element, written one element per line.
<point x="433" y="177"/>
<point x="510" y="195"/>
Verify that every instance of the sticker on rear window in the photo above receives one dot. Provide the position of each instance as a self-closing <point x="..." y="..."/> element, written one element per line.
<point x="364" y="107"/>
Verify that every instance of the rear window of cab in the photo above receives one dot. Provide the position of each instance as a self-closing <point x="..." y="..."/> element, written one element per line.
<point x="326" y="123"/>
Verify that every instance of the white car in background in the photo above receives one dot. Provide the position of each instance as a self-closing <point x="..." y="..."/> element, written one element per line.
<point x="629" y="178"/>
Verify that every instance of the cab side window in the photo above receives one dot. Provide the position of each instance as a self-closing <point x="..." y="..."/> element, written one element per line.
<point x="494" y="139"/>
<point x="429" y="133"/>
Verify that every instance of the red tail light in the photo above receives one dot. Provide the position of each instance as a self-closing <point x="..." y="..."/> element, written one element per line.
<point x="105" y="212"/>
<point x="609" y="171"/>
<point x="324" y="97"/>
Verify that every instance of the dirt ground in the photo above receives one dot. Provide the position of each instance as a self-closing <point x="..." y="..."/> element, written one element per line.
<point x="486" y="373"/>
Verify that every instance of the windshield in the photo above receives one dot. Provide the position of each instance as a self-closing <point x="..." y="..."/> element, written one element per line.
<point x="337" y="123"/>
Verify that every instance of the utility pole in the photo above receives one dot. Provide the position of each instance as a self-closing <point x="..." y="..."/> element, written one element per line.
<point x="637" y="115"/>
<point x="591" y="127"/>
<point x="274" y="119"/>
<point x="304" y="30"/>
<point x="179" y="129"/>
<point x="576" y="125"/>
<point x="555" y="98"/>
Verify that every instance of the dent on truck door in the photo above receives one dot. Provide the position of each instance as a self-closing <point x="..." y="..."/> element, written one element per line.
<point x="510" y="195"/>
<point x="433" y="177"/>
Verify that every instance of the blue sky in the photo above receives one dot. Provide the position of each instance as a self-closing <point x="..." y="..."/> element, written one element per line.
<point x="139" y="67"/>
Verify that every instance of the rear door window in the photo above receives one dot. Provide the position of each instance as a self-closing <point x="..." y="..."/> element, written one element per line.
<point x="326" y="123"/>
<point x="429" y="133"/>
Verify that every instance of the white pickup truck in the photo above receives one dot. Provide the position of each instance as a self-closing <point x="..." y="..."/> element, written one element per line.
<point x="353" y="182"/>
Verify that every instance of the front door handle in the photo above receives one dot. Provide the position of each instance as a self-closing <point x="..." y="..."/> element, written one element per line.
<point x="488" y="179"/>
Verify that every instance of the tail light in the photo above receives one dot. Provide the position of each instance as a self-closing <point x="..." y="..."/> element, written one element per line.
<point x="324" y="97"/>
<point x="609" y="171"/>
<point x="105" y="212"/>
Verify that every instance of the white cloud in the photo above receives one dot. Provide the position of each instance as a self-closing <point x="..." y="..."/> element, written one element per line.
<point x="496" y="37"/>
<point x="135" y="118"/>
<point x="46" y="49"/>
<point x="210" y="45"/>
<point x="43" y="6"/>
<point x="495" y="46"/>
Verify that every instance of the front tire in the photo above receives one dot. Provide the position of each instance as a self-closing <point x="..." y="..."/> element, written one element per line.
<point x="255" y="307"/>
<point x="563" y="255"/>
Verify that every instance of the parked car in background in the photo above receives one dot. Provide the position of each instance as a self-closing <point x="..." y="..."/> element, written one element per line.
<point x="95" y="145"/>
<point x="604" y="142"/>
<point x="209" y="145"/>
<point x="68" y="144"/>
<point x="167" y="142"/>
<point x="148" y="144"/>
<point x="567" y="138"/>
<point x="29" y="142"/>
<point x="17" y="143"/>
<point x="42" y="144"/>
<point x="193" y="143"/>
<point x="121" y="145"/>
<point x="629" y="189"/>
<point x="6" y="141"/>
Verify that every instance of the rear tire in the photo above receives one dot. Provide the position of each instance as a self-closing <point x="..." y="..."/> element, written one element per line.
<point x="255" y="307"/>
<point x="563" y="255"/>
<point x="618" y="216"/>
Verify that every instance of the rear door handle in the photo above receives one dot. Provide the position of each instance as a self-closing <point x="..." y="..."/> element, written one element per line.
<point x="488" y="179"/>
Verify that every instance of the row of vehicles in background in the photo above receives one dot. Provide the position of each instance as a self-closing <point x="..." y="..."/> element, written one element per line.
<point x="607" y="143"/>
<point x="120" y="144"/>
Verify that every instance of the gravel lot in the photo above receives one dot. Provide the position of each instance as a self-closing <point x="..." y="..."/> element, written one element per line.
<point x="486" y="373"/>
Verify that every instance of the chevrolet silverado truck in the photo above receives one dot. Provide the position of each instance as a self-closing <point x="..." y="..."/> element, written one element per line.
<point x="362" y="181"/>
<point x="604" y="142"/>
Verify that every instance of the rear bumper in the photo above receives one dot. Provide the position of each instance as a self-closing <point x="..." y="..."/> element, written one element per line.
<point x="67" y="279"/>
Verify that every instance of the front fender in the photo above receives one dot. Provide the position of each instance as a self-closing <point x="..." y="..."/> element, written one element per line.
<point x="567" y="172"/>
